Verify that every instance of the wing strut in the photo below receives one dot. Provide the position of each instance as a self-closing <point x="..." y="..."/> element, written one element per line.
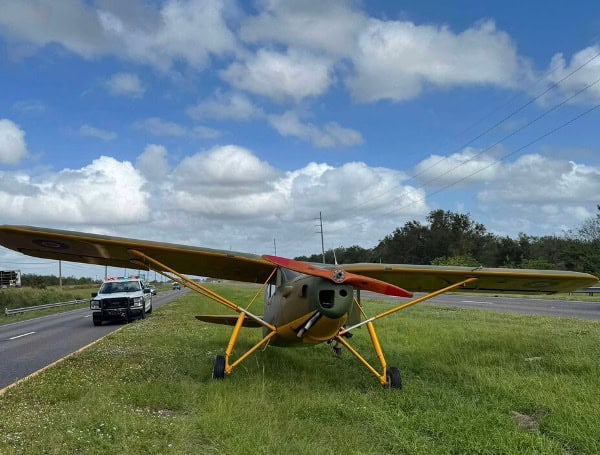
<point x="195" y="286"/>
<point x="387" y="374"/>
<point x="222" y="365"/>
<point x="409" y="304"/>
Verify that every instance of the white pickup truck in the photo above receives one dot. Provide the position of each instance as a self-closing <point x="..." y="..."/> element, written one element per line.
<point x="121" y="298"/>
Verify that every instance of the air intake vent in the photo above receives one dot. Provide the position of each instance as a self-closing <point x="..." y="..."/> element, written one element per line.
<point x="326" y="298"/>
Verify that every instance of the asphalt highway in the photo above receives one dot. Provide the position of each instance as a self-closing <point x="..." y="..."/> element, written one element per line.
<point x="27" y="346"/>
<point x="533" y="306"/>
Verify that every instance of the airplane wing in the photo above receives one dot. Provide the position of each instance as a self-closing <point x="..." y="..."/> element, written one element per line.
<point x="116" y="252"/>
<point x="428" y="278"/>
<point x="189" y="260"/>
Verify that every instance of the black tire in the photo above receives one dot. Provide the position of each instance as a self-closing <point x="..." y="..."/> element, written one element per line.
<point x="96" y="320"/>
<point x="150" y="310"/>
<point x="394" y="380"/>
<point x="218" y="371"/>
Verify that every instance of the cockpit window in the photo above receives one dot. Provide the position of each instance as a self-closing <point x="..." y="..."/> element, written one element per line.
<point x="288" y="275"/>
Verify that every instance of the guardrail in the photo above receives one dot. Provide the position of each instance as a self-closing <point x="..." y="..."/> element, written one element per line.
<point x="8" y="312"/>
<point x="588" y="291"/>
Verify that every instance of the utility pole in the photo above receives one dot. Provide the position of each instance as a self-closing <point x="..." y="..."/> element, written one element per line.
<point x="275" y="247"/>
<point x="321" y="230"/>
<point x="60" y="274"/>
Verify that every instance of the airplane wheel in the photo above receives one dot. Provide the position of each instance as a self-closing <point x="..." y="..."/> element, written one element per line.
<point x="394" y="380"/>
<point x="218" y="371"/>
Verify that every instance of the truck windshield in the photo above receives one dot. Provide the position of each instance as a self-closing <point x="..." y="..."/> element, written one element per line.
<point x="114" y="287"/>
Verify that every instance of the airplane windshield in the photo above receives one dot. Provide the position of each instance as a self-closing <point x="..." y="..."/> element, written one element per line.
<point x="114" y="287"/>
<point x="289" y="275"/>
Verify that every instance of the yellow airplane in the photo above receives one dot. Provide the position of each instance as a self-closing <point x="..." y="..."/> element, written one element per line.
<point x="304" y="303"/>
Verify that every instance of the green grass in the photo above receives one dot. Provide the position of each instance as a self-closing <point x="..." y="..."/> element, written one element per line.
<point x="475" y="382"/>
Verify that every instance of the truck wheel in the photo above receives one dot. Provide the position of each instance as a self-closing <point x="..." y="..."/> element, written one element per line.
<point x="97" y="321"/>
<point x="143" y="314"/>
<point x="150" y="310"/>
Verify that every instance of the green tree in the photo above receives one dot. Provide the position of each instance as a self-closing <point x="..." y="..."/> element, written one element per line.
<point x="461" y="261"/>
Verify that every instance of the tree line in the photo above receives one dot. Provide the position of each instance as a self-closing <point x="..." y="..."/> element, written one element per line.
<point x="449" y="238"/>
<point x="43" y="281"/>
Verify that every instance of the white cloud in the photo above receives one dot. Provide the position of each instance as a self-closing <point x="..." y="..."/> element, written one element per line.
<point x="104" y="192"/>
<point x="396" y="60"/>
<point x="223" y="166"/>
<point x="159" y="127"/>
<point x="187" y="30"/>
<point x="331" y="135"/>
<point x="585" y="66"/>
<point x="231" y="185"/>
<point x="293" y="75"/>
<point x="152" y="163"/>
<point x="12" y="142"/>
<point x="90" y="131"/>
<point x="125" y="84"/>
<point x="70" y="23"/>
<point x="231" y="106"/>
<point x="330" y="27"/>
<point x="534" y="179"/>
<point x="459" y="169"/>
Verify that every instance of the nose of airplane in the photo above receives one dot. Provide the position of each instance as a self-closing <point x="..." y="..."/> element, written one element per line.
<point x="335" y="300"/>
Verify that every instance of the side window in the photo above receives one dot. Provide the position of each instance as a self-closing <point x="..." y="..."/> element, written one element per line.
<point x="269" y="292"/>
<point x="272" y="288"/>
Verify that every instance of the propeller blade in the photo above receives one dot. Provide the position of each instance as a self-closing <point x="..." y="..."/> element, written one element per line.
<point x="340" y="276"/>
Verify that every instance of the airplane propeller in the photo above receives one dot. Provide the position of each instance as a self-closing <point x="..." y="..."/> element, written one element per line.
<point x="340" y="276"/>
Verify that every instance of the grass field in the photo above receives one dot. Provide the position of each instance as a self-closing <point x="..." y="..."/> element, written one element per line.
<point x="475" y="383"/>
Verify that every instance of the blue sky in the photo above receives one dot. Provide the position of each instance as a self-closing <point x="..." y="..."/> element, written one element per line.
<point x="229" y="124"/>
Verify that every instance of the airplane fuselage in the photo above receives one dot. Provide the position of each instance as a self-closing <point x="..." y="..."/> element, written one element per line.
<point x="306" y="309"/>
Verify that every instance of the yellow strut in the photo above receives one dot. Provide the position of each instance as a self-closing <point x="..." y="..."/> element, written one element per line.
<point x="378" y="351"/>
<point x="371" y="328"/>
<point x="160" y="267"/>
<point x="408" y="304"/>
<point x="261" y="343"/>
<point x="182" y="279"/>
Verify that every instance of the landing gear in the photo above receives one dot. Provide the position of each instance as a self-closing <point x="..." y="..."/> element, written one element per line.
<point x="337" y="350"/>
<point x="218" y="371"/>
<point x="394" y="380"/>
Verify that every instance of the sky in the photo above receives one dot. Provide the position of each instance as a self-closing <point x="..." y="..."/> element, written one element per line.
<point x="234" y="124"/>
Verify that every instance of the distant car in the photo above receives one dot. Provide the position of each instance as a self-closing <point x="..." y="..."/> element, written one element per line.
<point x="152" y="289"/>
<point x="176" y="287"/>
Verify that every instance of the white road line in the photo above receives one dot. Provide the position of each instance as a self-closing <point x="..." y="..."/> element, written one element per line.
<point x="23" y="335"/>
<point x="475" y="301"/>
<point x="87" y="315"/>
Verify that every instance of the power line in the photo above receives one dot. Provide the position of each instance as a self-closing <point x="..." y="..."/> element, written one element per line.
<point x="507" y="155"/>
<point x="551" y="87"/>
<point x="539" y="138"/>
